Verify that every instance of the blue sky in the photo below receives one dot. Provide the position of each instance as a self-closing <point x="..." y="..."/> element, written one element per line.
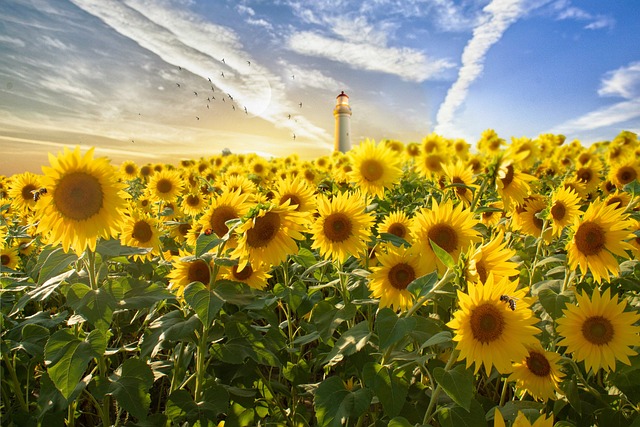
<point x="106" y="74"/>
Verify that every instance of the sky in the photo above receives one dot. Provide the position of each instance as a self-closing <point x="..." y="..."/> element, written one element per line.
<point x="164" y="80"/>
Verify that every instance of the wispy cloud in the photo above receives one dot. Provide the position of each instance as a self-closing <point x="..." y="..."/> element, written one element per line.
<point x="500" y="14"/>
<point x="309" y="77"/>
<point x="593" y="21"/>
<point x="623" y="82"/>
<point x="12" y="41"/>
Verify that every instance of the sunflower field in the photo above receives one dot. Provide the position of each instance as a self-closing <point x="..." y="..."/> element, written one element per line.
<point x="417" y="284"/>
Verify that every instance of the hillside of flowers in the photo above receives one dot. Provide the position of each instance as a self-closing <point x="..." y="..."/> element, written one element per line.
<point x="439" y="283"/>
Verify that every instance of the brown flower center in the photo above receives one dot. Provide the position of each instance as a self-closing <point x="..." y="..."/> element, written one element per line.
<point x="258" y="168"/>
<point x="481" y="269"/>
<point x="537" y="222"/>
<point x="164" y="186"/>
<point x="398" y="229"/>
<point x="444" y="236"/>
<point x="538" y="364"/>
<point x="433" y="163"/>
<point x="337" y="227"/>
<point x="193" y="200"/>
<point x="79" y="196"/>
<point x="130" y="169"/>
<point x="264" y="230"/>
<point x="146" y="171"/>
<point x="590" y="238"/>
<point x="461" y="191"/>
<point x="626" y="174"/>
<point x="585" y="175"/>
<point x="5" y="259"/>
<point x="198" y="272"/>
<point x="598" y="330"/>
<point x="400" y="275"/>
<point x="371" y="170"/>
<point x="142" y="232"/>
<point x="487" y="323"/>
<point x="293" y="200"/>
<point x="184" y="228"/>
<point x="243" y="274"/>
<point x="219" y="216"/>
<point x="27" y="191"/>
<point x="508" y="177"/>
<point x="558" y="211"/>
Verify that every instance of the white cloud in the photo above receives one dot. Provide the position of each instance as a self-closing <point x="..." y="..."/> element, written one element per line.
<point x="500" y="14"/>
<point x="12" y="41"/>
<point x="624" y="82"/>
<point x="595" y="22"/>
<point x="309" y="77"/>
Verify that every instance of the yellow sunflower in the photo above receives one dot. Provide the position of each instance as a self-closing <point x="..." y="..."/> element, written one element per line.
<point x="447" y="226"/>
<point x="84" y="201"/>
<point x="598" y="331"/>
<point x="194" y="203"/>
<point x="625" y="173"/>
<point x="297" y="192"/>
<point x="596" y="238"/>
<point x="529" y="150"/>
<point x="461" y="175"/>
<point x="492" y="258"/>
<point x="433" y="143"/>
<point x="141" y="231"/>
<point x="374" y="167"/>
<point x="129" y="170"/>
<point x="589" y="174"/>
<point x="538" y="373"/>
<point x="522" y="421"/>
<point x="635" y="241"/>
<point x="232" y="182"/>
<point x="489" y="143"/>
<point x="397" y="268"/>
<point x="619" y="199"/>
<point x="268" y="235"/>
<point x="512" y="185"/>
<point x="491" y="331"/>
<point x="254" y="277"/>
<point x="9" y="258"/>
<point x="228" y="205"/>
<point x="430" y="165"/>
<point x="397" y="223"/>
<point x="491" y="218"/>
<point x="3" y="236"/>
<point x="165" y="185"/>
<point x="187" y="269"/>
<point x="342" y="227"/>
<point x="527" y="219"/>
<point x="564" y="209"/>
<point x="22" y="190"/>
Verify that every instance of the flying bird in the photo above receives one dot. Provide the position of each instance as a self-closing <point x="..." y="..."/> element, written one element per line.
<point x="196" y="93"/>
<point x="222" y="73"/>
<point x="223" y="61"/>
<point x="249" y="62"/>
<point x="300" y="105"/>
<point x="294" y="136"/>
<point x="234" y="107"/>
<point x="245" y="110"/>
<point x="198" y="118"/>
<point x="209" y="78"/>
<point x="178" y="84"/>
<point x="289" y="116"/>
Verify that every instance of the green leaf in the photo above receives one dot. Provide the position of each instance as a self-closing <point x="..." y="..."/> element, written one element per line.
<point x="204" y="302"/>
<point x="423" y="285"/>
<point x="181" y="406"/>
<point x="335" y="404"/>
<point x="552" y="303"/>
<point x="627" y="379"/>
<point x="444" y="256"/>
<point x="390" y="389"/>
<point x="326" y="317"/>
<point x="396" y="240"/>
<point x="43" y="291"/>
<point x="459" y="417"/>
<point x="457" y="383"/>
<point x="34" y="338"/>
<point x="67" y="357"/>
<point x="439" y="338"/>
<point x="131" y="388"/>
<point x="351" y="341"/>
<point x="399" y="422"/>
<point x="392" y="329"/>
<point x="143" y="294"/>
<point x="205" y="243"/>
<point x="51" y="263"/>
<point x="96" y="306"/>
<point x="113" y="248"/>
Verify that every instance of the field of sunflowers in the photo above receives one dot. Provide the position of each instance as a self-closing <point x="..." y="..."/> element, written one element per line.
<point x="434" y="283"/>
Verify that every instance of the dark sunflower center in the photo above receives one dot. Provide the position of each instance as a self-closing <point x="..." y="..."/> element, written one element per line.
<point x="481" y="269"/>
<point x="537" y="221"/>
<point x="488" y="215"/>
<point x="538" y="364"/>
<point x="142" y="232"/>
<point x="130" y="169"/>
<point x="309" y="175"/>
<point x="508" y="177"/>
<point x="615" y="200"/>
<point x="558" y="211"/>
<point x="626" y="174"/>
<point x="610" y="186"/>
<point x="461" y="191"/>
<point x="337" y="227"/>
<point x="293" y="200"/>
<point x="430" y="146"/>
<point x="401" y="275"/>
<point x="5" y="259"/>
<point x="193" y="200"/>
<point x="584" y="158"/>
<point x="494" y="144"/>
<point x="184" y="228"/>
<point x="433" y="163"/>
<point x="258" y="168"/>
<point x="164" y="186"/>
<point x="243" y="274"/>
<point x="79" y="196"/>
<point x="264" y="230"/>
<point x="198" y="272"/>
<point x="444" y="236"/>
<point x="487" y="323"/>
<point x="371" y="170"/>
<point x="27" y="191"/>
<point x="145" y="171"/>
<point x="585" y="175"/>
<point x="590" y="238"/>
<point x="598" y="330"/>
<point x="397" y="229"/>
<point x="218" y="218"/>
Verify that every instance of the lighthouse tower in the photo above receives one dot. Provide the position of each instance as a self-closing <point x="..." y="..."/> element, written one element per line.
<point x="342" y="113"/>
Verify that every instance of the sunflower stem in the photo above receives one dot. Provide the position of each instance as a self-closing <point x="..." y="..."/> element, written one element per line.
<point x="16" y="384"/>
<point x="436" y="393"/>
<point x="200" y="356"/>
<point x="503" y="395"/>
<point x="534" y="264"/>
<point x="91" y="269"/>
<point x="478" y="194"/>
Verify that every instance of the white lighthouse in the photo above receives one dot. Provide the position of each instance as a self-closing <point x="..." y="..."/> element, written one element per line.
<point x="342" y="113"/>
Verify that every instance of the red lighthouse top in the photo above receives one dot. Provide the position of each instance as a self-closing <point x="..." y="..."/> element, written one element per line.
<point x="342" y="94"/>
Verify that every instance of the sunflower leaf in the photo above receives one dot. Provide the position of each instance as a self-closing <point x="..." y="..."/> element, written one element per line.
<point x="335" y="404"/>
<point x="350" y="342"/>
<point x="459" y="417"/>
<point x="131" y="388"/>
<point x="457" y="383"/>
<point x="204" y="302"/>
<point x="444" y="256"/>
<point x="392" y="329"/>
<point x="205" y="243"/>
<point x="423" y="285"/>
<point x="52" y="263"/>
<point x="552" y="303"/>
<point x="390" y="389"/>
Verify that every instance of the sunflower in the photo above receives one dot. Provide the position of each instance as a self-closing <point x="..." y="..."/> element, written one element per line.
<point x="187" y="269"/>
<point x="598" y="331"/>
<point x="462" y="177"/>
<point x="564" y="209"/>
<point x="3" y="236"/>
<point x="619" y="199"/>
<point x="433" y="143"/>
<point x="635" y="241"/>
<point x="589" y="174"/>
<point x="9" y="258"/>
<point x="193" y="203"/>
<point x="141" y="231"/>
<point x="22" y="191"/>
<point x="512" y="185"/>
<point x="489" y="143"/>
<point x="529" y="150"/>
<point x="461" y="148"/>
<point x="596" y="238"/>
<point x="146" y="172"/>
<point x="625" y="173"/>
<point x="165" y="185"/>
<point x="447" y="226"/>
<point x="430" y="165"/>
<point x="129" y="170"/>
<point x="397" y="223"/>
<point x="490" y="331"/>
<point x="297" y="192"/>
<point x="342" y="227"/>
<point x="259" y="167"/>
<point x="268" y="235"/>
<point x="254" y="277"/>
<point x="234" y="182"/>
<point x="527" y="219"/>
<point x="375" y="167"/>
<point x="492" y="217"/>
<point x="228" y="205"/>
<point x="538" y="373"/>
<point x="84" y="201"/>
<point x="397" y="268"/>
<point x="522" y="421"/>
<point x="492" y="258"/>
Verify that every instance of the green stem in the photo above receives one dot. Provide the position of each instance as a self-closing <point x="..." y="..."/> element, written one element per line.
<point x="436" y="393"/>
<point x="534" y="264"/>
<point x="95" y="403"/>
<point x="71" y="414"/>
<point x="176" y="367"/>
<point x="91" y="269"/>
<point x="106" y="400"/>
<point x="275" y="395"/>
<point x="16" y="384"/>
<point x="479" y="193"/>
<point x="503" y="395"/>
<point x="201" y="353"/>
